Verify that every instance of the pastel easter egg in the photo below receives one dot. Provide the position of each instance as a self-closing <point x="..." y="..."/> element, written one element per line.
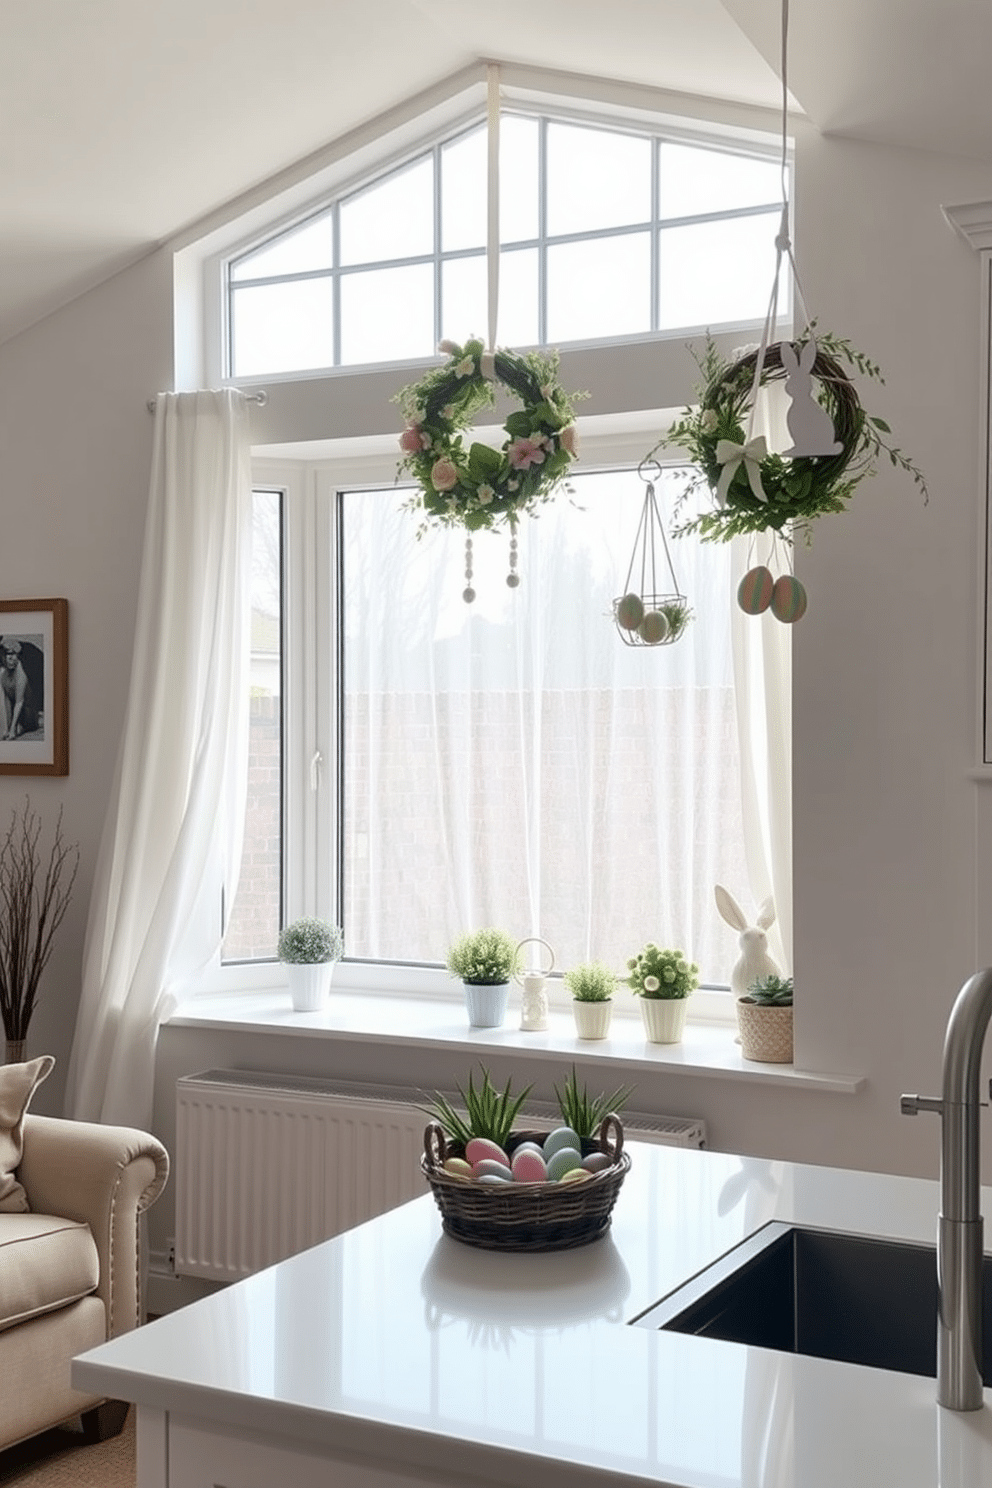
<point x="653" y="628"/>
<point x="575" y="1175"/>
<point x="526" y="1147"/>
<point x="562" y="1162"/>
<point x="754" y="592"/>
<point x="596" y="1162"/>
<point x="501" y="1179"/>
<point x="529" y="1167"/>
<point x="488" y="1167"/>
<point x="562" y="1136"/>
<point x="788" y="600"/>
<point x="630" y="611"/>
<point x="480" y="1147"/>
<point x="458" y="1167"/>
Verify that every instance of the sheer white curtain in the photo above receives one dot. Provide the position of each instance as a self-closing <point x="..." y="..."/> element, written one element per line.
<point x="762" y="651"/>
<point x="512" y="762"/>
<point x="173" y="829"/>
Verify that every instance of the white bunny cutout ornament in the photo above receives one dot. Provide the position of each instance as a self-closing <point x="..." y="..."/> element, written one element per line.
<point x="754" y="961"/>
<point x="809" y="422"/>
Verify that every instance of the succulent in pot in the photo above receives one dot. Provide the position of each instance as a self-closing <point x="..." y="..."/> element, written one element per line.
<point x="662" y="979"/>
<point x="592" y="985"/>
<point x="764" y="1016"/>
<point x="309" y="947"/>
<point x="485" y="961"/>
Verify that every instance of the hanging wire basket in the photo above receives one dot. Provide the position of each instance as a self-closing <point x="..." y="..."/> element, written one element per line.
<point x="648" y="614"/>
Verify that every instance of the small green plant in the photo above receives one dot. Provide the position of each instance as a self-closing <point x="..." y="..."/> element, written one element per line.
<point x="488" y="1112"/>
<point x="678" y="614"/>
<point x="307" y="942"/>
<point x="771" y="991"/>
<point x="582" y="1112"/>
<point x="591" y="982"/>
<point x="484" y="957"/>
<point x="655" y="972"/>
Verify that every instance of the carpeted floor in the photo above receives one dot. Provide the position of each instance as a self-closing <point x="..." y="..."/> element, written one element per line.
<point x="58" y="1459"/>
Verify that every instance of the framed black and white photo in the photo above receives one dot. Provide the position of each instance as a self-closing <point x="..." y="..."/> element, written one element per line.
<point x="34" y="687"/>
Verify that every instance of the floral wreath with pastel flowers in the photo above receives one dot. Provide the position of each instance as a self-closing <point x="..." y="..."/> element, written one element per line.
<point x="480" y="486"/>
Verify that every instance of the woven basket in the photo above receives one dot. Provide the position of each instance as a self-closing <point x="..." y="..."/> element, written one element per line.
<point x="766" y="1032"/>
<point x="526" y="1216"/>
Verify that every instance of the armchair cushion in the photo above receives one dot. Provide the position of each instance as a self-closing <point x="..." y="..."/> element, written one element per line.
<point x="18" y="1083"/>
<point x="45" y="1263"/>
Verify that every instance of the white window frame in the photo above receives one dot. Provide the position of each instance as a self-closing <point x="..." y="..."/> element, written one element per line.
<point x="310" y="674"/>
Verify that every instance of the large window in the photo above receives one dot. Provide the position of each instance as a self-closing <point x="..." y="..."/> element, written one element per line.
<point x="605" y="234"/>
<point x="509" y="762"/>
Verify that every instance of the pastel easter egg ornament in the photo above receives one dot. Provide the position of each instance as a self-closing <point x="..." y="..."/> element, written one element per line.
<point x="563" y="1161"/>
<point x="788" y="600"/>
<point x="562" y="1136"/>
<point x="529" y="1167"/>
<point x="754" y="592"/>
<point x="458" y="1167"/>
<point x="653" y="628"/>
<point x="630" y="611"/>
<point x="481" y="1147"/>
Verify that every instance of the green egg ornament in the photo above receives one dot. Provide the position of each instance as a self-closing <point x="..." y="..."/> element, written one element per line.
<point x="562" y="1136"/>
<point x="562" y="1162"/>
<point x="788" y="600"/>
<point x="754" y="592"/>
<point x="630" y="611"/>
<point x="653" y="628"/>
<point x="458" y="1167"/>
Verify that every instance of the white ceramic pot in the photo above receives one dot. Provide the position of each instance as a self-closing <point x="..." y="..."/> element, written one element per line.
<point x="309" y="985"/>
<point x="486" y="1003"/>
<point x="664" y="1018"/>
<point x="592" y="1019"/>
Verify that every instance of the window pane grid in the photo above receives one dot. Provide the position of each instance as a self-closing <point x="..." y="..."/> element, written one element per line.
<point x="677" y="201"/>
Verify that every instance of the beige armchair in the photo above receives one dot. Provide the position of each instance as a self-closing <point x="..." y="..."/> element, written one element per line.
<point x="70" y="1268"/>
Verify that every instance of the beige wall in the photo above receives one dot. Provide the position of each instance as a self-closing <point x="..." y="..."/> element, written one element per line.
<point x="885" y="660"/>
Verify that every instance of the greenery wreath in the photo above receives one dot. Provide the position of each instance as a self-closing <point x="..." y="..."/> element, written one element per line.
<point x="480" y="486"/>
<point x="797" y="491"/>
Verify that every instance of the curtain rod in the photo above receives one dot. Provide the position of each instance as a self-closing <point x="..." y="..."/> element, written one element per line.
<point x="261" y="398"/>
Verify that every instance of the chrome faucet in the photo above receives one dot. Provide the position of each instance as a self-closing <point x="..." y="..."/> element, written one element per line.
<point x="959" y="1226"/>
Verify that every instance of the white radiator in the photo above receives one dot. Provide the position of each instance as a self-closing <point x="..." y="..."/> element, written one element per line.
<point x="267" y="1165"/>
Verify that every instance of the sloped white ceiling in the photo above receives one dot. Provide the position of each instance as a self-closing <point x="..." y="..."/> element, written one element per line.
<point x="122" y="122"/>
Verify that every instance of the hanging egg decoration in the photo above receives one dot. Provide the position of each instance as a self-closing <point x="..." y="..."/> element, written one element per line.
<point x="754" y="592"/>
<point x="654" y="628"/>
<point x="630" y="611"/>
<point x="788" y="600"/>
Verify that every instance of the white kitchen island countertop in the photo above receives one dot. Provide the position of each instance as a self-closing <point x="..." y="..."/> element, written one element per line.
<point x="404" y="1357"/>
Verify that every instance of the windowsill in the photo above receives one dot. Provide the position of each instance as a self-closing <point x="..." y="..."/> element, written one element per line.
<point x="707" y="1050"/>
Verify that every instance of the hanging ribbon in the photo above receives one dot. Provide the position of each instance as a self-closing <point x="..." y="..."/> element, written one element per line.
<point x="487" y="361"/>
<point x="731" y="456"/>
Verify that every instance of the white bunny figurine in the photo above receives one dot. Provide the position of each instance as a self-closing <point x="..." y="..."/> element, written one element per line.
<point x="809" y="422"/>
<point x="754" y="961"/>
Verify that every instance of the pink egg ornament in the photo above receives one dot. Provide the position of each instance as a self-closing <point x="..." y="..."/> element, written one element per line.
<point x="481" y="1147"/>
<point x="754" y="592"/>
<point x="788" y="600"/>
<point x="529" y="1167"/>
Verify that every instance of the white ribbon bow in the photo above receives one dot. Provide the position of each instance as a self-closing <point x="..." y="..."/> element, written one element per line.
<point x="730" y="456"/>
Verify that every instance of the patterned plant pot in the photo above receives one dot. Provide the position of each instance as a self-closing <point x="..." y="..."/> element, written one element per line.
<point x="486" y="1003"/>
<point x="592" y="1019"/>
<point x="309" y="985"/>
<point x="766" y="1032"/>
<point x="664" y="1018"/>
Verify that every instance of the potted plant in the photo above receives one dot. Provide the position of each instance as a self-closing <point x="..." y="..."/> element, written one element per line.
<point x="33" y="903"/>
<point x="309" y="948"/>
<point x="592" y="986"/>
<point x="764" y="1017"/>
<point x="485" y="961"/>
<point x="662" y="980"/>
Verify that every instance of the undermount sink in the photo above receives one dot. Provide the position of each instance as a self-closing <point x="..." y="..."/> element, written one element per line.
<point x="855" y="1298"/>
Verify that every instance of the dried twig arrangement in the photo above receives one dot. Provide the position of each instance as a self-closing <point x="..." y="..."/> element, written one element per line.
<point x="33" y="903"/>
